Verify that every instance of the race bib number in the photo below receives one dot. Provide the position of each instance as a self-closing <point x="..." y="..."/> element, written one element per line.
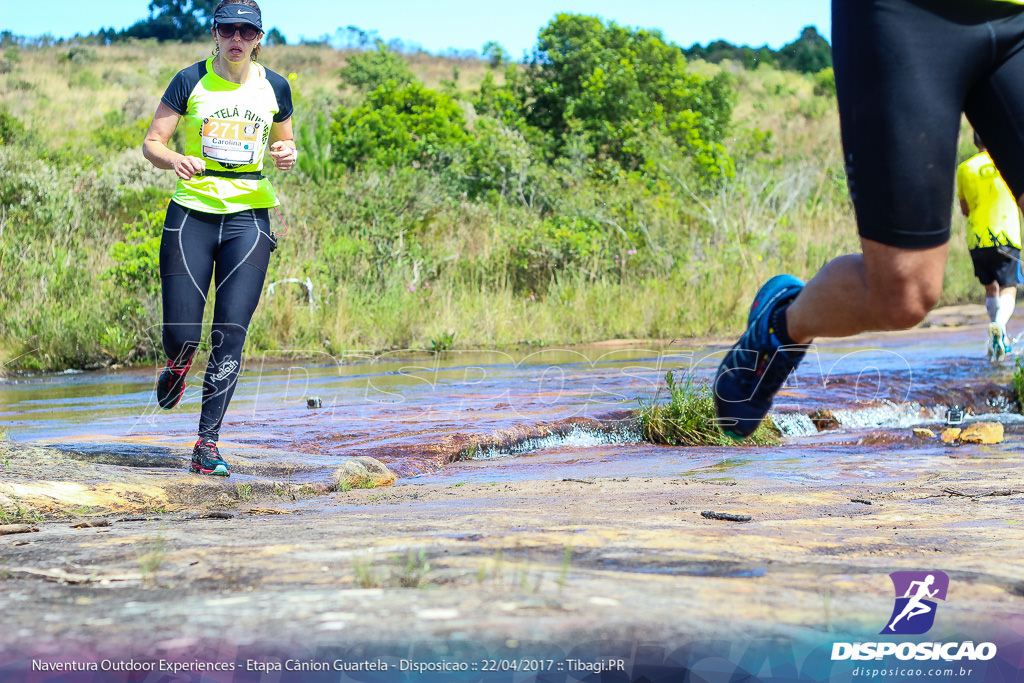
<point x="231" y="143"/>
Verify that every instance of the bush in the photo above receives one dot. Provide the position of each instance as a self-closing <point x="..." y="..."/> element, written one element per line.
<point x="552" y="246"/>
<point x="400" y="126"/>
<point x="825" y="82"/>
<point x="135" y="280"/>
<point x="614" y="86"/>
<point x="367" y="71"/>
<point x="498" y="159"/>
<point x="11" y="129"/>
<point x="116" y="133"/>
<point x="85" y="79"/>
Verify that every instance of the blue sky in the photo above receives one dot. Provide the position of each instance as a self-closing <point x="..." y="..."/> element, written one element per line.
<point x="441" y="25"/>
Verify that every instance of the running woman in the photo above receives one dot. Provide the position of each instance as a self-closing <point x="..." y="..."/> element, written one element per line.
<point x="905" y="70"/>
<point x="218" y="224"/>
<point x="993" y="240"/>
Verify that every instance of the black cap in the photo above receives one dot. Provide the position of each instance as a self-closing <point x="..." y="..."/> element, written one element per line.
<point x="237" y="13"/>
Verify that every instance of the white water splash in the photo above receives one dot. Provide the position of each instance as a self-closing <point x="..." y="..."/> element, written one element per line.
<point x="794" y="424"/>
<point x="577" y="437"/>
<point x="887" y="415"/>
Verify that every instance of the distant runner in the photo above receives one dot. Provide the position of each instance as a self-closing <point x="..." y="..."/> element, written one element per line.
<point x="993" y="238"/>
<point x="217" y="224"/>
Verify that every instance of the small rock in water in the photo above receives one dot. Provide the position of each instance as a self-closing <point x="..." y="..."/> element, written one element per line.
<point x="922" y="433"/>
<point x="950" y="434"/>
<point x="824" y="419"/>
<point x="362" y="472"/>
<point x="983" y="432"/>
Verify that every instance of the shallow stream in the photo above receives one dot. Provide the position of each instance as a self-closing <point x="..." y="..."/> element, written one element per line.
<point x="493" y="416"/>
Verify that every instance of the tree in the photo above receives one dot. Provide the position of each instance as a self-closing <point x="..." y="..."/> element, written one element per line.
<point x="357" y="37"/>
<point x="274" y="37"/>
<point x="810" y="53"/>
<point x="366" y="71"/>
<point x="720" y="50"/>
<point x="495" y="54"/>
<point x="187" y="20"/>
<point x="617" y="87"/>
<point x="399" y="126"/>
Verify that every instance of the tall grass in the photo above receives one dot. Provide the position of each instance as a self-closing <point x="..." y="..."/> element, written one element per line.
<point x="688" y="418"/>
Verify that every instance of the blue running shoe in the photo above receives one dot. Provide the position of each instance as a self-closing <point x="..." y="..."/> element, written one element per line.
<point x="757" y="366"/>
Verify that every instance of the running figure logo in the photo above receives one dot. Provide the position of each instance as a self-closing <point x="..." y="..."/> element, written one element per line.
<point x="914" y="612"/>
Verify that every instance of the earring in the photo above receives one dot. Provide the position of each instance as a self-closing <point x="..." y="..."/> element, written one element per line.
<point x="216" y="50"/>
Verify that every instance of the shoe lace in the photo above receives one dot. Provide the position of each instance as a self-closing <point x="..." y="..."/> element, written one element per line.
<point x="207" y="449"/>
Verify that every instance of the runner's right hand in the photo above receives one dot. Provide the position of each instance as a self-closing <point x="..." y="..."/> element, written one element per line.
<point x="186" y="167"/>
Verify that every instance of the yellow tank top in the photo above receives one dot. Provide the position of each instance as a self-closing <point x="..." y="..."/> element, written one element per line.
<point x="993" y="218"/>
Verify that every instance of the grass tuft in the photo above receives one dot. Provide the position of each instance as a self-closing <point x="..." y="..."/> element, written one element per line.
<point x="1018" y="384"/>
<point x="688" y="419"/>
<point x="20" y="515"/>
<point x="415" y="570"/>
<point x="150" y="555"/>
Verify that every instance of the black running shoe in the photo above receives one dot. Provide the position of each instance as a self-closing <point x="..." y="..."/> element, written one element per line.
<point x="206" y="459"/>
<point x="757" y="366"/>
<point x="171" y="385"/>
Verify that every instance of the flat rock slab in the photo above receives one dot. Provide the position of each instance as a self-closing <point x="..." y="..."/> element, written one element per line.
<point x="222" y="567"/>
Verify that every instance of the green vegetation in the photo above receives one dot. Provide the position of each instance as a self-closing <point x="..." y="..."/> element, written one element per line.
<point x="443" y="342"/>
<point x="410" y="572"/>
<point x="367" y="71"/>
<point x="614" y="93"/>
<point x="1018" y="384"/>
<point x="20" y="515"/>
<point x="415" y="570"/>
<point x="367" y="575"/>
<point x="151" y="554"/>
<point x="563" y="575"/>
<point x="607" y="188"/>
<point x="366" y="482"/>
<point x="688" y="418"/>
<point x="809" y="53"/>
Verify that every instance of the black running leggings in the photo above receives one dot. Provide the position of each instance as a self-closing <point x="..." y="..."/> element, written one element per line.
<point x="234" y="250"/>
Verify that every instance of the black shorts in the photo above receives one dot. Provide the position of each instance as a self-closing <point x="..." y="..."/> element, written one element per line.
<point x="904" y="69"/>
<point x="996" y="264"/>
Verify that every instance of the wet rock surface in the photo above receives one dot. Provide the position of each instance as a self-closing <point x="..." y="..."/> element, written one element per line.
<point x="179" y="562"/>
<point x="119" y="551"/>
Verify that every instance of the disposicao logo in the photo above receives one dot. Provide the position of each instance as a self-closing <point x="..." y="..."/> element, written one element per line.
<point x="916" y="593"/>
<point x="913" y="614"/>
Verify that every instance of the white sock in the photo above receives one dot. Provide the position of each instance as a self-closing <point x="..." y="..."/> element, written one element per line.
<point x="992" y="306"/>
<point x="1007" y="302"/>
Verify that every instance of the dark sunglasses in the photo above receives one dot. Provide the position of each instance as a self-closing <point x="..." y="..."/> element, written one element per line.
<point x="245" y="30"/>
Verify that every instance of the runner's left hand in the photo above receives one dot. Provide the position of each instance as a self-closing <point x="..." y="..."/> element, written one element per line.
<point x="284" y="155"/>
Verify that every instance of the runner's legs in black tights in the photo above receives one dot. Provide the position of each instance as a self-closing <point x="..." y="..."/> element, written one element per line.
<point x="233" y="250"/>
